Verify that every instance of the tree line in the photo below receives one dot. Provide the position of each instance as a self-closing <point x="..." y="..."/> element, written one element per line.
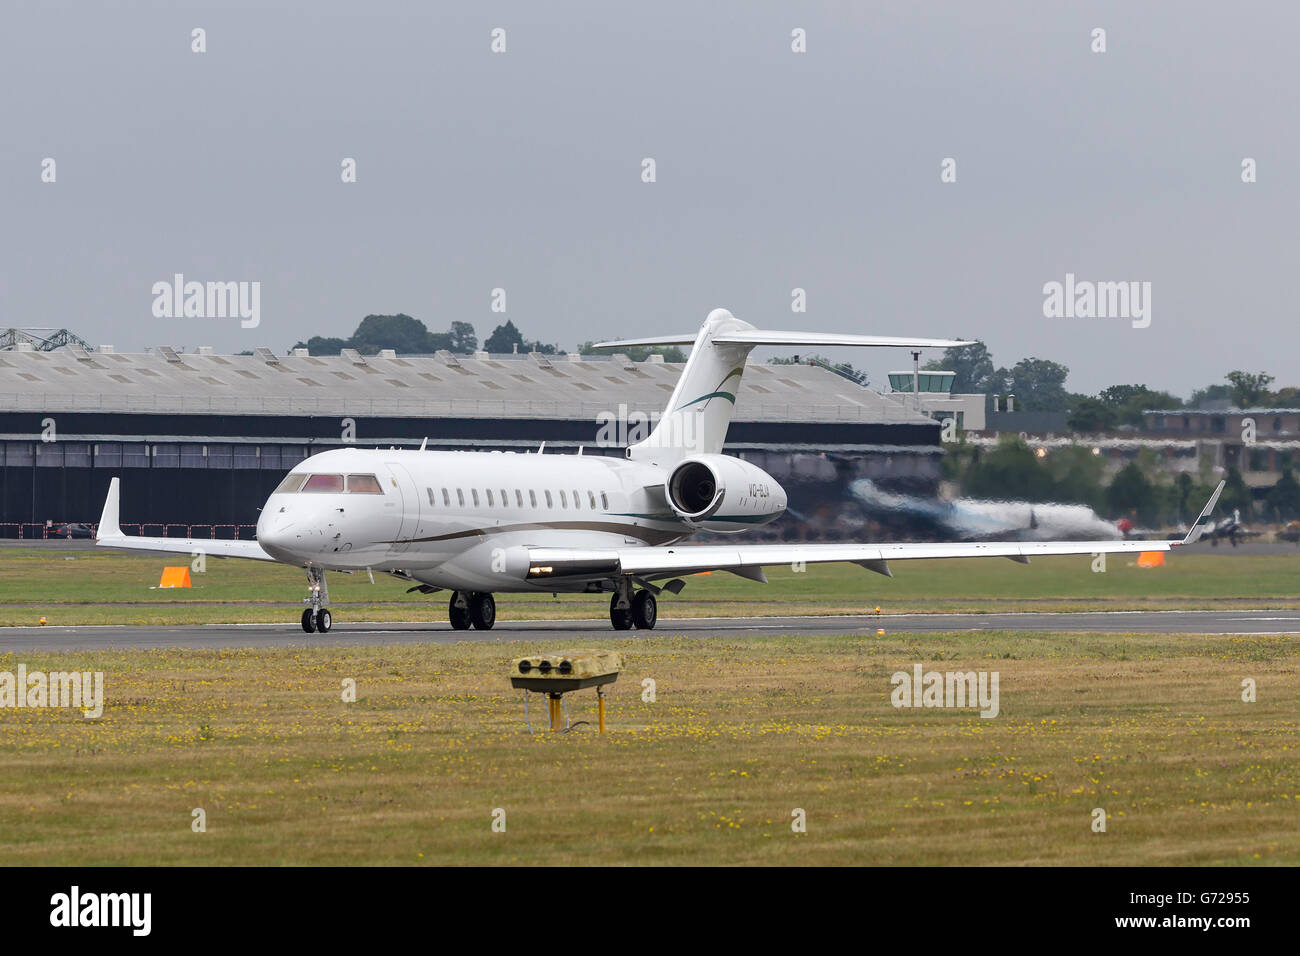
<point x="1039" y="385"/>
<point x="410" y="336"/>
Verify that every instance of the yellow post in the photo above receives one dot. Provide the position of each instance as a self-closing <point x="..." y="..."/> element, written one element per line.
<point x="554" y="701"/>
<point x="600" y="697"/>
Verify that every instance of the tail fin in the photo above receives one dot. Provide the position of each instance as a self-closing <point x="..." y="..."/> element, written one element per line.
<point x="699" y="411"/>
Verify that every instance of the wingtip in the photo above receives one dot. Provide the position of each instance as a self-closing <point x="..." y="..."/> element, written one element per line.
<point x="108" y="521"/>
<point x="1197" y="529"/>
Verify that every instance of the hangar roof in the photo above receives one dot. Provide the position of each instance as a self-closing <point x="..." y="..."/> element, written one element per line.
<point x="444" y="385"/>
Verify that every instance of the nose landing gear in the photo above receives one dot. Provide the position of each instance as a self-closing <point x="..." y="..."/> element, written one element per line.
<point x="317" y="617"/>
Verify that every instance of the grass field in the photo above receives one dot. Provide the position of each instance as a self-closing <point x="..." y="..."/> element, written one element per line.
<point x="101" y="587"/>
<point x="1152" y="729"/>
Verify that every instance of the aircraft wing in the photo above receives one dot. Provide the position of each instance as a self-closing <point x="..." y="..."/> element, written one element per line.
<point x="748" y="560"/>
<point x="110" y="536"/>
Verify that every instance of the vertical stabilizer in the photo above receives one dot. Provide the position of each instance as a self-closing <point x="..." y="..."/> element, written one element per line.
<point x="696" y="418"/>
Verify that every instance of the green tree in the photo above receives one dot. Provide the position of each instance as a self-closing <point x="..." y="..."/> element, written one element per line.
<point x="1248" y="389"/>
<point x="1131" y="494"/>
<point x="1011" y="471"/>
<point x="1039" y="385"/>
<point x="1077" y="476"/>
<point x="1284" y="497"/>
<point x="463" y="339"/>
<point x="973" y="366"/>
<point x="1130" y="401"/>
<point x="1236" y="493"/>
<point x="1088" y="414"/>
<point x="319" y="345"/>
<point x="400" y="332"/>
<point x="505" y="339"/>
<point x="1184" y="484"/>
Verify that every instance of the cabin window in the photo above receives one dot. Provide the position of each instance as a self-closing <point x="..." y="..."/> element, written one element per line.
<point x="474" y="492"/>
<point x="324" y="484"/>
<point x="432" y="503"/>
<point x="604" y="502"/>
<point x="367" y="485"/>
<point x="577" y="499"/>
<point x="505" y="498"/>
<point x="446" y="498"/>
<point x="591" y="499"/>
<point x="290" y="484"/>
<point x="491" y="503"/>
<point x="564" y="499"/>
<point x="519" y="498"/>
<point x="549" y="503"/>
<point x="460" y="497"/>
<point x="532" y="496"/>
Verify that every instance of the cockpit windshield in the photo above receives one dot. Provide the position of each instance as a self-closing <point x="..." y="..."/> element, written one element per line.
<point x="330" y="484"/>
<point x="324" y="484"/>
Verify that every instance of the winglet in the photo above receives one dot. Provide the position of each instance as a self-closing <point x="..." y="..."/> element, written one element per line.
<point x="108" y="526"/>
<point x="1196" y="530"/>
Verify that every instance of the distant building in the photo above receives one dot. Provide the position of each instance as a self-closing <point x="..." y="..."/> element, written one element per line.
<point x="933" y="391"/>
<point x="201" y="438"/>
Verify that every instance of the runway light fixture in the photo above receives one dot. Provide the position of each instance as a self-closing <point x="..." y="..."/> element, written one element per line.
<point x="557" y="674"/>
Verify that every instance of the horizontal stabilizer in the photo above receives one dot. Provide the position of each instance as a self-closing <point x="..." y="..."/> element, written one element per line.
<point x="765" y="337"/>
<point x="758" y="337"/>
<point x="686" y="338"/>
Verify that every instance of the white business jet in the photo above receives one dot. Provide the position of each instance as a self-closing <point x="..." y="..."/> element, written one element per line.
<point x="475" y="523"/>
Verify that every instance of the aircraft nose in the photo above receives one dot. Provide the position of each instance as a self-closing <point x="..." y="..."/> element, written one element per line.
<point x="276" y="534"/>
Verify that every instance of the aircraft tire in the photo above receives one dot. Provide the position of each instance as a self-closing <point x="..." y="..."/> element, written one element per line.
<point x="621" y="618"/>
<point x="482" y="611"/>
<point x="458" y="616"/>
<point x="645" y="611"/>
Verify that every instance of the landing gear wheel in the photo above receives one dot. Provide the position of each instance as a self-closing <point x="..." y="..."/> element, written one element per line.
<point x="324" y="620"/>
<point x="458" y="616"/>
<point x="645" y="611"/>
<point x="309" y="620"/>
<point x="482" y="611"/>
<point x="620" y="617"/>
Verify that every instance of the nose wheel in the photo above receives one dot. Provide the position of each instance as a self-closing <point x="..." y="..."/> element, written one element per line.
<point x="313" y="621"/>
<point x="317" y="617"/>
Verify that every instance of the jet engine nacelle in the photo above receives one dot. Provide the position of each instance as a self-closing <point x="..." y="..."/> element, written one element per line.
<point x="722" y="494"/>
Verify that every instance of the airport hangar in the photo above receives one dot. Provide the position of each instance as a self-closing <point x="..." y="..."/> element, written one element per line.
<point x="201" y="439"/>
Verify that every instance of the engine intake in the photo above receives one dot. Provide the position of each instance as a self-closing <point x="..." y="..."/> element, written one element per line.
<point x="723" y="494"/>
<point x="693" y="490"/>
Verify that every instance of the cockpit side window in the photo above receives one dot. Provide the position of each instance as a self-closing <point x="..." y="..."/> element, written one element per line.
<point x="290" y="484"/>
<point x="324" y="484"/>
<point x="368" y="485"/>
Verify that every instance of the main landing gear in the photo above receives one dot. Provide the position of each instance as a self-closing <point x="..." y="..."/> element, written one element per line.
<point x="475" y="608"/>
<point x="628" y="609"/>
<point x="317" y="617"/>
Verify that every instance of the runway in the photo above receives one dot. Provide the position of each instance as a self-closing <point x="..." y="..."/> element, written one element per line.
<point x="213" y="636"/>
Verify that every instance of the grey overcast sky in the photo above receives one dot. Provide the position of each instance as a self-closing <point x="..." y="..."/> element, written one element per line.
<point x="775" y="170"/>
